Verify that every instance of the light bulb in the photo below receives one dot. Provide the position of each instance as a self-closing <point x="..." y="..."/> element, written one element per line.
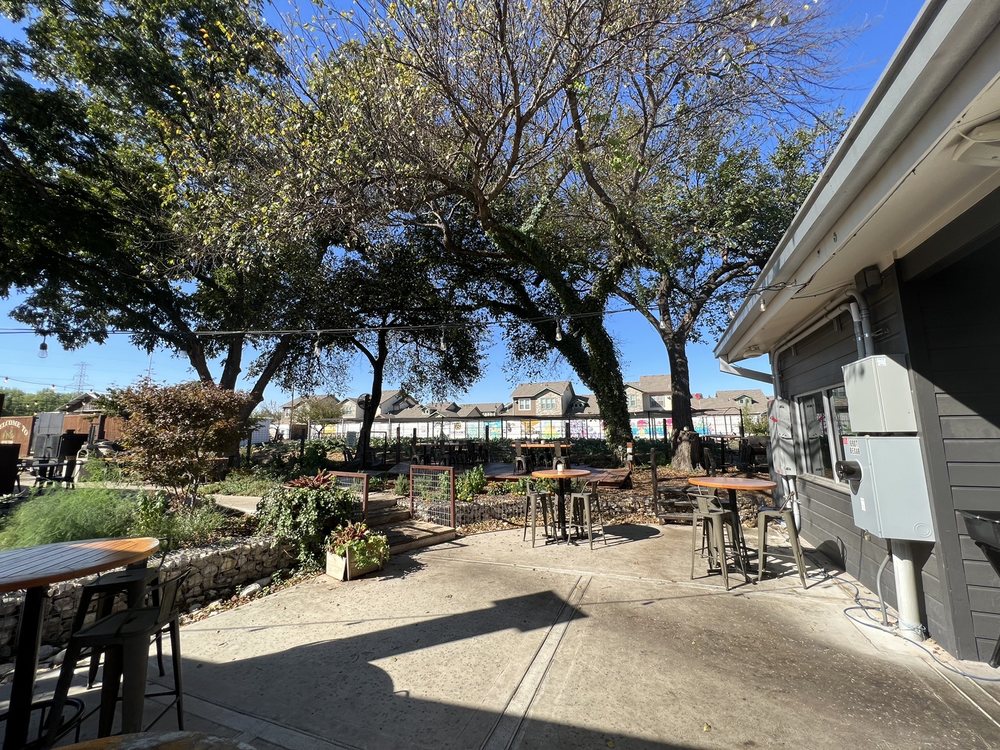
<point x="441" y="344"/>
<point x="558" y="329"/>
<point x="43" y="350"/>
<point x="763" y="306"/>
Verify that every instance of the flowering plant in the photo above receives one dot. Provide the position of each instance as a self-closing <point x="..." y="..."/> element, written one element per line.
<point x="364" y="546"/>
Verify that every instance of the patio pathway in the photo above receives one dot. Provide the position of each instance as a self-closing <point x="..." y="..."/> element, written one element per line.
<point x="487" y="643"/>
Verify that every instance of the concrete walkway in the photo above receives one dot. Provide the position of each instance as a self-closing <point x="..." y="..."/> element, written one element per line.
<point x="488" y="643"/>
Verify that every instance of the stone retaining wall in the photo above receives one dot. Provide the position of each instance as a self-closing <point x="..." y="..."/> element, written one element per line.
<point x="510" y="508"/>
<point x="217" y="572"/>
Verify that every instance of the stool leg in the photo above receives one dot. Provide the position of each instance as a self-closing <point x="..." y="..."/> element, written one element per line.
<point x="600" y="517"/>
<point x="109" y="690"/>
<point x="793" y="537"/>
<point x="175" y="656"/>
<point x="135" y="666"/>
<point x="761" y="544"/>
<point x="62" y="690"/>
<point x="720" y="548"/>
<point x="105" y="603"/>
<point x="527" y="502"/>
<point x="547" y="519"/>
<point x="534" y="504"/>
<point x="586" y="520"/>
<point x="695" y="519"/>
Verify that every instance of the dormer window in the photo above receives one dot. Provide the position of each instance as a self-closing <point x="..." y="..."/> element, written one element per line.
<point x="524" y="404"/>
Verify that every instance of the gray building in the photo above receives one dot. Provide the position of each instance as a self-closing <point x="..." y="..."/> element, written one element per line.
<point x="896" y="254"/>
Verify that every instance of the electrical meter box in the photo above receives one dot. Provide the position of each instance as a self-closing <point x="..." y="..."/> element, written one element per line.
<point x="888" y="488"/>
<point x="879" y="398"/>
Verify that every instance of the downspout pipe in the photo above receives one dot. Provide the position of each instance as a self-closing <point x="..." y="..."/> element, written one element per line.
<point x="866" y="320"/>
<point x="907" y="600"/>
<point x="859" y="338"/>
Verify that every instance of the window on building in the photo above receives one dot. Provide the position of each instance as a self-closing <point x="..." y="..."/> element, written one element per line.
<point x="814" y="423"/>
<point x="548" y="404"/>
<point x="524" y="404"/>
<point x="659" y="402"/>
<point x="634" y="402"/>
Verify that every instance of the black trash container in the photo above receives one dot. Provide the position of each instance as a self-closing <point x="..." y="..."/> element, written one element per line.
<point x="8" y="467"/>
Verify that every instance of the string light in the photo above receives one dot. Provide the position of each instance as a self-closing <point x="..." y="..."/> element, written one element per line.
<point x="43" y="349"/>
<point x="558" y="330"/>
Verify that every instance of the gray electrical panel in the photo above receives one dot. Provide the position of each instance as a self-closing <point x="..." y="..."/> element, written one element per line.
<point x="879" y="398"/>
<point x="888" y="489"/>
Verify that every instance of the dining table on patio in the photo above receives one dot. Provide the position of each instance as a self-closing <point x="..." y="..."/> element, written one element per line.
<point x="732" y="485"/>
<point x="563" y="477"/>
<point x="33" y="569"/>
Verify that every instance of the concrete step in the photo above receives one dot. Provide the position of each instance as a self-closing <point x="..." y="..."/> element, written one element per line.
<point x="381" y="503"/>
<point x="387" y="516"/>
<point x="413" y="534"/>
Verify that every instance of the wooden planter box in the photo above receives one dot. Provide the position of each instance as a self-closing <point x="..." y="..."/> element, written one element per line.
<point x="336" y="567"/>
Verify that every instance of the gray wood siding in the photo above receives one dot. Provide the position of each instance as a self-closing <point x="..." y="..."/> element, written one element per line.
<point x="955" y="317"/>
<point x="827" y="520"/>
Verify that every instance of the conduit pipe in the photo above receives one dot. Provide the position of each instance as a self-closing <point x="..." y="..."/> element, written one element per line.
<point x="866" y="321"/>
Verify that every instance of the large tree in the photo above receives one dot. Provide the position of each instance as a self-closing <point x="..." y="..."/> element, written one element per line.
<point x="518" y="111"/>
<point x="725" y="218"/>
<point x="110" y="115"/>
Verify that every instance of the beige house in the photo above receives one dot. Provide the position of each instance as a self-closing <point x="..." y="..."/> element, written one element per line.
<point x="651" y="393"/>
<point x="550" y="399"/>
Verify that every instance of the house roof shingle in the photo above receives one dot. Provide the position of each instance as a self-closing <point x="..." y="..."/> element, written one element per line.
<point x="530" y="390"/>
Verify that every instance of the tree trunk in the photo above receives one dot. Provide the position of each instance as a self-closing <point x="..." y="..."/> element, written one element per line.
<point x="683" y="438"/>
<point x="601" y="372"/>
<point x="378" y="371"/>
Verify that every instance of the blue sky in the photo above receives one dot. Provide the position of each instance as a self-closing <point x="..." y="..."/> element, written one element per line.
<point x="880" y="27"/>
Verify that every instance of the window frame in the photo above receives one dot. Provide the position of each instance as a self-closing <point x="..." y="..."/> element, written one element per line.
<point x="524" y="404"/>
<point x="835" y="446"/>
<point x="634" y="401"/>
<point x="548" y="404"/>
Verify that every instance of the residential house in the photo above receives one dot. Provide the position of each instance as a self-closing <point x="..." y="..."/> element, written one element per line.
<point x="722" y="414"/>
<point x="878" y="310"/>
<point x="550" y="399"/>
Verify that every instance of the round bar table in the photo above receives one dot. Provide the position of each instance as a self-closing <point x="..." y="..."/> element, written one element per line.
<point x="562" y="477"/>
<point x="33" y="569"/>
<point x="733" y="485"/>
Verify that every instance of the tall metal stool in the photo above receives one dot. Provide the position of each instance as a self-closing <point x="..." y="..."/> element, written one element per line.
<point x="125" y="636"/>
<point x="135" y="583"/>
<point x="584" y="504"/>
<point x="783" y="513"/>
<point x="533" y="499"/>
<point x="714" y="522"/>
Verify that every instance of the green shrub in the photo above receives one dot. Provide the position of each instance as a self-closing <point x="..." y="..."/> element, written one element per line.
<point x="402" y="485"/>
<point x="243" y="482"/>
<point x="366" y="546"/>
<point x="152" y="515"/>
<point x="498" y="488"/>
<point x="305" y="516"/>
<point x="470" y="484"/>
<point x="100" y="470"/>
<point x="64" y="515"/>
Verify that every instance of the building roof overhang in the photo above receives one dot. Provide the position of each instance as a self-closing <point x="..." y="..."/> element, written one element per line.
<point x="892" y="182"/>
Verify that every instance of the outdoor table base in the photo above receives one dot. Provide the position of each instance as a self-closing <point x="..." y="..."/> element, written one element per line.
<point x="562" y="477"/>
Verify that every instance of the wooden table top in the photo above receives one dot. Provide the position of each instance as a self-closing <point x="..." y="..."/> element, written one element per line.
<point x="560" y="473"/>
<point x="28" y="567"/>
<point x="545" y="445"/>
<point x="733" y="483"/>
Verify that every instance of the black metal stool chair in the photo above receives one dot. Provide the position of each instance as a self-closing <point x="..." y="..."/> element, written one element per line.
<point x="533" y="499"/>
<point x="715" y="522"/>
<point x="124" y="636"/>
<point x="584" y="504"/>
<point x="136" y="583"/>
<point x="71" y="723"/>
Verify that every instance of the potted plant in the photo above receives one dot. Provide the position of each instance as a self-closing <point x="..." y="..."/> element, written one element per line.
<point x="354" y="550"/>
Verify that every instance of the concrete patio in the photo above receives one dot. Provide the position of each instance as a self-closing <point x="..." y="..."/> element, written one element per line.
<point x="485" y="642"/>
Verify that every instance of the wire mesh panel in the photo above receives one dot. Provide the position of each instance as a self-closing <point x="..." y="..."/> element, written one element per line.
<point x="357" y="484"/>
<point x="432" y="494"/>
